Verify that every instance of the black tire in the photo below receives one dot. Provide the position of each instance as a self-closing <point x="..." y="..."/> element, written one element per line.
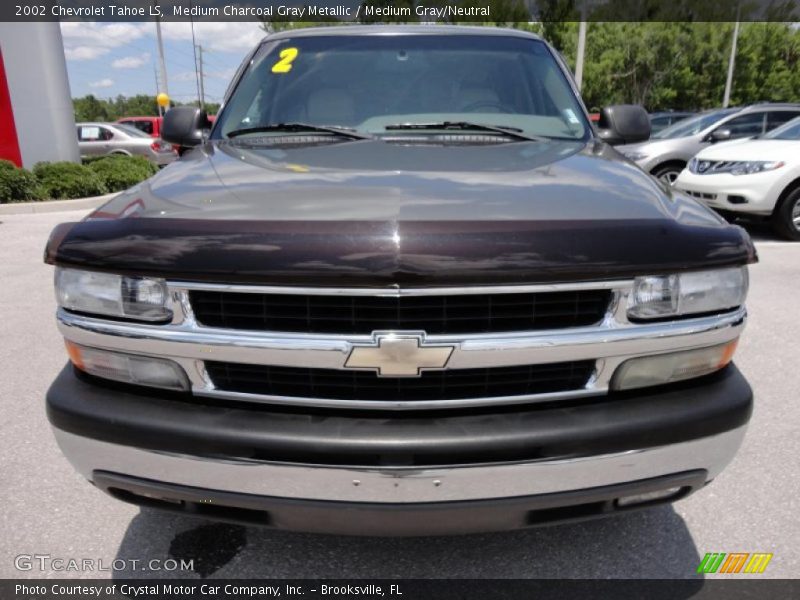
<point x="786" y="218"/>
<point x="668" y="172"/>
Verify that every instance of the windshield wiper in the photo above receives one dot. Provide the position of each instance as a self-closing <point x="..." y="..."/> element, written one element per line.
<point x="466" y="126"/>
<point x="302" y="127"/>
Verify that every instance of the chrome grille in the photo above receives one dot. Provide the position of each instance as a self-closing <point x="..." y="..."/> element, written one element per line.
<point x="431" y="385"/>
<point x="441" y="314"/>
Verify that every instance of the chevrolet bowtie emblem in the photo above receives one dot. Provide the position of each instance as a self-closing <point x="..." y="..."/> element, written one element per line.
<point x="399" y="355"/>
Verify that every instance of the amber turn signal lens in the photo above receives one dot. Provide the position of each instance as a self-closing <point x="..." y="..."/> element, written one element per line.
<point x="128" y="368"/>
<point x="659" y="369"/>
<point x="74" y="352"/>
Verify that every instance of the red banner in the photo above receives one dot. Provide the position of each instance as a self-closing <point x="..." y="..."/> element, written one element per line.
<point x="9" y="143"/>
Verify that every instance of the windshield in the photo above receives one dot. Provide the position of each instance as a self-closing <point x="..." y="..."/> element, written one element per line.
<point x="694" y="125"/>
<point x="367" y="83"/>
<point x="787" y="131"/>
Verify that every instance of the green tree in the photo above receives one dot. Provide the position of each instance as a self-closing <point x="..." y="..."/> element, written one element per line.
<point x="90" y="108"/>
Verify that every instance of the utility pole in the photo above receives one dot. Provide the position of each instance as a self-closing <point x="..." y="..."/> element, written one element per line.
<point x="202" y="98"/>
<point x="731" y="61"/>
<point x="158" y="90"/>
<point x="581" y="52"/>
<point x="162" y="63"/>
<point x="581" y="47"/>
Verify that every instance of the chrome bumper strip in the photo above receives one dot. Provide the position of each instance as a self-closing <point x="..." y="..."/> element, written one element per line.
<point x="608" y="343"/>
<point x="190" y="345"/>
<point x="399" y="484"/>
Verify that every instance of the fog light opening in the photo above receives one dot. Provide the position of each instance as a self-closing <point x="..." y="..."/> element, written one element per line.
<point x="654" y="497"/>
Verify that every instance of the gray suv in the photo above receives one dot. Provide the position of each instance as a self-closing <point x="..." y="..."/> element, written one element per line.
<point x="667" y="152"/>
<point x="400" y="287"/>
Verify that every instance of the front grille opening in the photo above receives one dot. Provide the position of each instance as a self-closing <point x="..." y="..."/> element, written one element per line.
<point x="451" y="384"/>
<point x="455" y="314"/>
<point x="201" y="509"/>
<point x="567" y="513"/>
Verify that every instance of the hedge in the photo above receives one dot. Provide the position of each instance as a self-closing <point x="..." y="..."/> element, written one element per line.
<point x="68" y="180"/>
<point x="18" y="185"/>
<point x="99" y="175"/>
<point x="120" y="172"/>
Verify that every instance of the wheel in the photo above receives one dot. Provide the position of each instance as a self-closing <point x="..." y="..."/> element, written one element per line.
<point x="786" y="218"/>
<point x="668" y="173"/>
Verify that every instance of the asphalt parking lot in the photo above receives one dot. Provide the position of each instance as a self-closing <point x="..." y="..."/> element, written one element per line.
<point x="48" y="509"/>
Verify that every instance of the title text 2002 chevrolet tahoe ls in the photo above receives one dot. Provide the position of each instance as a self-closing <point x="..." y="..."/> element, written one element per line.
<point x="401" y="287"/>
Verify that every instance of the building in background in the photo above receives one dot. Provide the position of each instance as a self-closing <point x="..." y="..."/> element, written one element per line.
<point x="36" y="117"/>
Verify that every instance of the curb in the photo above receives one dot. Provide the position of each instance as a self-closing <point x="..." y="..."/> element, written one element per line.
<point x="48" y="206"/>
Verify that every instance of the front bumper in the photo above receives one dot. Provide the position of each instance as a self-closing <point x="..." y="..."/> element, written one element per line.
<point x="755" y="194"/>
<point x="404" y="474"/>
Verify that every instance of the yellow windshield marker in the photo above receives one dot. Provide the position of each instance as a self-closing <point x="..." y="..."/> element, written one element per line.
<point x="284" y="65"/>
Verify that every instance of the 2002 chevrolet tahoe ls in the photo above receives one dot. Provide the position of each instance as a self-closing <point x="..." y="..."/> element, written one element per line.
<point x="401" y="286"/>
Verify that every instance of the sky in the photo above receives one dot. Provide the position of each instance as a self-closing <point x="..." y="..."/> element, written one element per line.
<point x="107" y="59"/>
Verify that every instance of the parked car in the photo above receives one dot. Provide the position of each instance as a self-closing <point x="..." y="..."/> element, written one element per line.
<point x="754" y="178"/>
<point x="666" y="153"/>
<point x="663" y="119"/>
<point x="149" y="125"/>
<point x="97" y="139"/>
<point x="401" y="287"/>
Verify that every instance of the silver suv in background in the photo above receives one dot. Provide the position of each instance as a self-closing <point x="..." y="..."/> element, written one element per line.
<point x="99" y="139"/>
<point x="667" y="152"/>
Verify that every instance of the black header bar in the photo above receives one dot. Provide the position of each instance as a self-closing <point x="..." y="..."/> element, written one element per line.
<point x="401" y="11"/>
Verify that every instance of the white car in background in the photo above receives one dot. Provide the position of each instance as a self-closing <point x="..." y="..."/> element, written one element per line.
<point x="759" y="177"/>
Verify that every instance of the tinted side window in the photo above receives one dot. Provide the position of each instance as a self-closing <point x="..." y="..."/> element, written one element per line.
<point x="779" y="117"/>
<point x="745" y="125"/>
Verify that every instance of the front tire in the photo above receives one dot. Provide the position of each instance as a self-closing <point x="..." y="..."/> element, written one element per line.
<point x="668" y="173"/>
<point x="786" y="218"/>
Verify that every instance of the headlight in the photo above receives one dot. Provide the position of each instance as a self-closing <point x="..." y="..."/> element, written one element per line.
<point x="755" y="166"/>
<point x="663" y="296"/>
<point x="634" y="156"/>
<point x="140" y="298"/>
<point x="669" y="368"/>
<point x="739" y="167"/>
<point x="128" y="368"/>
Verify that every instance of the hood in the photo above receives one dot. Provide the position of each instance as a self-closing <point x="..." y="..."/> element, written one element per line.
<point x="374" y="212"/>
<point x="753" y="149"/>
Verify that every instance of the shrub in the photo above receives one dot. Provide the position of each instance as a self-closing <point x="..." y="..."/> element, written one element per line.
<point x="18" y="185"/>
<point x="119" y="172"/>
<point x="68" y="180"/>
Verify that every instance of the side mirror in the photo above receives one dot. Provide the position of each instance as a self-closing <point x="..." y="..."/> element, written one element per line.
<point x="624" y="124"/>
<point x="722" y="134"/>
<point x="184" y="125"/>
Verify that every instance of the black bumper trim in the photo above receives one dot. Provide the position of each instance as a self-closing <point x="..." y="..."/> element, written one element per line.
<point x="385" y="519"/>
<point x="602" y="425"/>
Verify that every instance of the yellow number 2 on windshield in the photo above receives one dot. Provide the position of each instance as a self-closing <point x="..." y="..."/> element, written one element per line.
<point x="284" y="65"/>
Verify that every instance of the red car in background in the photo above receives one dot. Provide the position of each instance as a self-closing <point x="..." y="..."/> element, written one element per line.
<point x="149" y="125"/>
